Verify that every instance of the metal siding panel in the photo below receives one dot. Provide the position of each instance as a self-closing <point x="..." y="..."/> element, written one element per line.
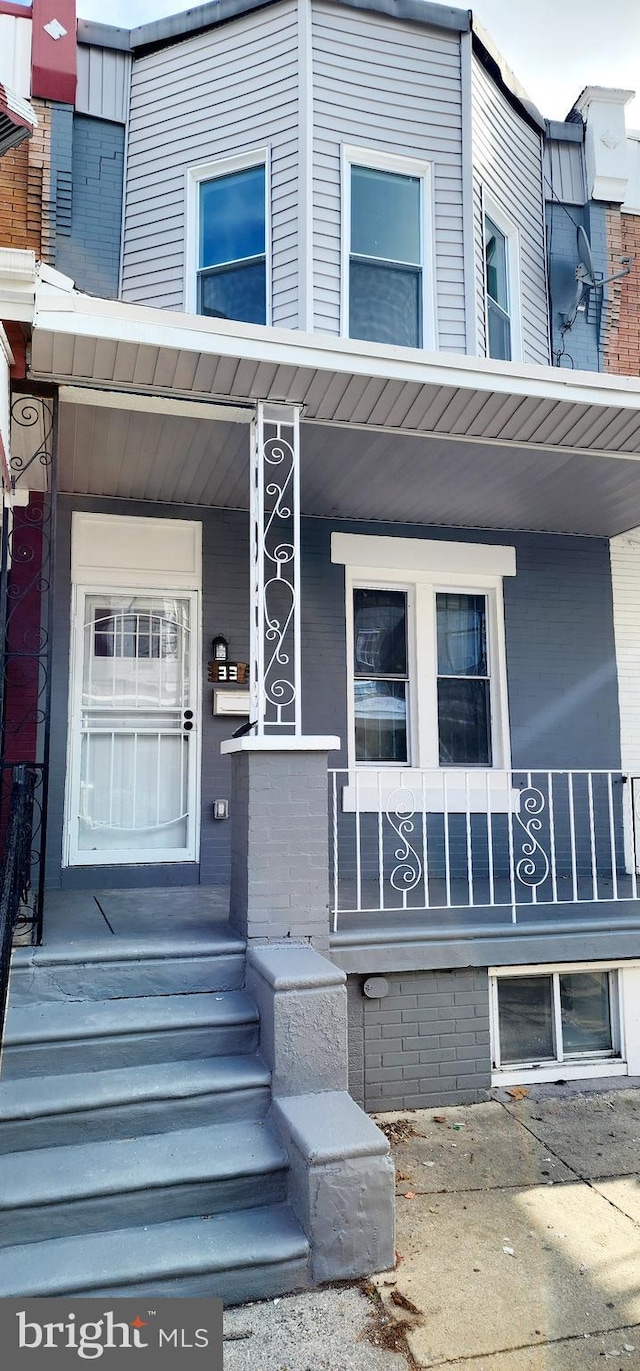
<point x="564" y="172"/>
<point x="507" y="155"/>
<point x="396" y="88"/>
<point x="103" y="83"/>
<point x="213" y="95"/>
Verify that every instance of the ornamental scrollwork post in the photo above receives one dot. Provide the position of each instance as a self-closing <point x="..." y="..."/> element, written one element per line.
<point x="275" y="570"/>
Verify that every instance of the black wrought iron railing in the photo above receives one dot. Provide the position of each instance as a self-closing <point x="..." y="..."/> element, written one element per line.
<point x="16" y="870"/>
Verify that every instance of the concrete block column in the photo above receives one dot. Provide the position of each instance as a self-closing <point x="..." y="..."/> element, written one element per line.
<point x="341" y="1175"/>
<point x="279" y="838"/>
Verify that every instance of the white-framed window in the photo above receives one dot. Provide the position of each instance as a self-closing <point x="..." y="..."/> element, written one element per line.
<point x="426" y="667"/>
<point x="558" y="1021"/>
<point x="387" y="249"/>
<point x="228" y="251"/>
<point x="501" y="284"/>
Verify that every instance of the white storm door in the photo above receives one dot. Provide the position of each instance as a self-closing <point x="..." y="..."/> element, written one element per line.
<point x="133" y="793"/>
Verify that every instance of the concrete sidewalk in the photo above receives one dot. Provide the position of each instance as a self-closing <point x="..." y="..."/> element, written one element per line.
<point x="518" y="1239"/>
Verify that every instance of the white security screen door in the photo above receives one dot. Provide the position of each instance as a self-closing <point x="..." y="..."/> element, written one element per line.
<point x="133" y="789"/>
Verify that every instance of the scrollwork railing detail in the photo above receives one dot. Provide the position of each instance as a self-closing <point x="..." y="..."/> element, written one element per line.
<point x="532" y="868"/>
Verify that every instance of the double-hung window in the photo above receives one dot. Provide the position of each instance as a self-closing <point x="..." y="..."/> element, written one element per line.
<point x="502" y="287"/>
<point x="425" y="642"/>
<point x="229" y="278"/>
<point x="387" y="287"/>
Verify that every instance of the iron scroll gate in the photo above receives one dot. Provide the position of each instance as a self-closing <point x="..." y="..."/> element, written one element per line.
<point x="15" y="871"/>
<point x="27" y="559"/>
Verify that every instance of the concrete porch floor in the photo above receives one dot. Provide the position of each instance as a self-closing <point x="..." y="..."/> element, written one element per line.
<point x="109" y="922"/>
<point x="518" y="1240"/>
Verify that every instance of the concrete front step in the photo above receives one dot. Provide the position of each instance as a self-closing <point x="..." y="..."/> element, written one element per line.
<point x="120" y="967"/>
<point x="92" y="1187"/>
<point x="47" y="1111"/>
<point x="251" y="1254"/>
<point x="71" y="1036"/>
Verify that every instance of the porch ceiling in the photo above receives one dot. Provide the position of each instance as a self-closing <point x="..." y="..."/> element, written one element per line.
<point x="349" y="473"/>
<point x="387" y="434"/>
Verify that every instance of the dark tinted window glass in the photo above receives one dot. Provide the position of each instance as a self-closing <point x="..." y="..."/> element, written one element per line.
<point x="586" y="1014"/>
<point x="232" y="217"/>
<point x="381" y="721"/>
<point x="385" y="304"/>
<point x="462" y="635"/>
<point x="235" y="293"/>
<point x="380" y="632"/>
<point x="385" y="215"/>
<point x="526" y="1019"/>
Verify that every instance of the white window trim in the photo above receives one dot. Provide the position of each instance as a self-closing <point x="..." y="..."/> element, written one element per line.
<point x="492" y="210"/>
<point x="208" y="171"/>
<point x="572" y="1069"/>
<point x="402" y="166"/>
<point x="422" y="568"/>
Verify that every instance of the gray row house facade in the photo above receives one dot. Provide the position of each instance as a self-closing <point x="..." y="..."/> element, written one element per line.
<point x="313" y="392"/>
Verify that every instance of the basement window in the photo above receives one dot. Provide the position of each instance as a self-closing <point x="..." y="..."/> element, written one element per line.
<point x="567" y="1017"/>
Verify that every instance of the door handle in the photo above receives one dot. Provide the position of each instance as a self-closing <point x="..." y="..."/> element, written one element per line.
<point x="187" y="720"/>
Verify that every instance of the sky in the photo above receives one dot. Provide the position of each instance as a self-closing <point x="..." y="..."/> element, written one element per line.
<point x="555" y="47"/>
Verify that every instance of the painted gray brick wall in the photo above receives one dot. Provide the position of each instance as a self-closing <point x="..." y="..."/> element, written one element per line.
<point x="89" y="250"/>
<point x="560" y="657"/>
<point x="61" y="175"/>
<point x="561" y="667"/>
<point x="577" y="347"/>
<point x="425" y="1044"/>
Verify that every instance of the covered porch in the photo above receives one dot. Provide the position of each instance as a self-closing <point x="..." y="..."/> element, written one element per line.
<point x="310" y="435"/>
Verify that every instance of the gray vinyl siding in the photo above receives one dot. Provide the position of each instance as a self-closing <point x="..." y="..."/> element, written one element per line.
<point x="227" y="91"/>
<point x="507" y="156"/>
<point x="103" y="83"/>
<point x="564" y="172"/>
<point x="396" y="88"/>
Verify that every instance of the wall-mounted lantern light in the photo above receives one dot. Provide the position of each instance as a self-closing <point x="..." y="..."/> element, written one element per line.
<point x="220" y="648"/>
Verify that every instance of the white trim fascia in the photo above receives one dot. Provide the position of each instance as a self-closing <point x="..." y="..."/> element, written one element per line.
<point x="305" y="167"/>
<point x="403" y="166"/>
<point x="493" y="210"/>
<point x="438" y="558"/>
<point x="5" y="348"/>
<point x="468" y="240"/>
<point x="210" y="171"/>
<point x="563" y="968"/>
<point x="83" y="316"/>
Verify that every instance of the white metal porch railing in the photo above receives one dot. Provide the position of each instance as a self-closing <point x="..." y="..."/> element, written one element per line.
<point x="405" y="839"/>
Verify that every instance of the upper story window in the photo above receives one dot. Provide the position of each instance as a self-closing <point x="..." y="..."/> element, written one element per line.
<point x="387" y="288"/>
<point x="502" y="287"/>
<point x="228" y="247"/>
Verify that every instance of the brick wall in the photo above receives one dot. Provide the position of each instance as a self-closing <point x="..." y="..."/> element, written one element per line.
<point x="88" y="242"/>
<point x="622" y="325"/>
<point x="25" y="190"/>
<point x="425" y="1044"/>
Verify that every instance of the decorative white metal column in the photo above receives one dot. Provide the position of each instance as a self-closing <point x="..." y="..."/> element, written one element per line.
<point x="275" y="571"/>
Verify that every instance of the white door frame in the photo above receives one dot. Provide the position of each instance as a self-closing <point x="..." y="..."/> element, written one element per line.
<point x="73" y="855"/>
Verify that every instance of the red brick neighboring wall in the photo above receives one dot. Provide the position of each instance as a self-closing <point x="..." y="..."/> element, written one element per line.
<point x="24" y="698"/>
<point x="25" y="190"/>
<point x="622" y="318"/>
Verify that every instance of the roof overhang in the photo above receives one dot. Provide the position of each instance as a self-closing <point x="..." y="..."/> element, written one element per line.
<point x="388" y="432"/>
<point x="17" y="119"/>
